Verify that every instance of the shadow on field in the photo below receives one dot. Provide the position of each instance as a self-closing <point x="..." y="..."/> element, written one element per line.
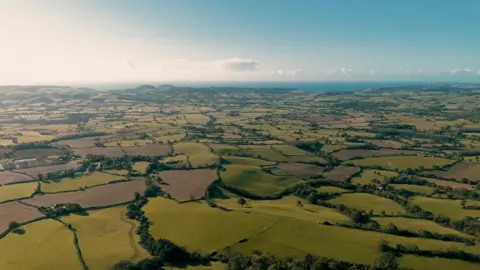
<point x="19" y="231"/>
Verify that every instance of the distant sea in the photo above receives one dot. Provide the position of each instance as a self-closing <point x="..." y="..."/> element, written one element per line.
<point x="307" y="86"/>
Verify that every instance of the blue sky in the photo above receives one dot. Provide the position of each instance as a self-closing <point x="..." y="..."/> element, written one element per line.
<point x="225" y="40"/>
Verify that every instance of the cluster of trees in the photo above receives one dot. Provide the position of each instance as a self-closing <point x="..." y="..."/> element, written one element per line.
<point x="313" y="147"/>
<point x="81" y="135"/>
<point x="57" y="175"/>
<point x="62" y="210"/>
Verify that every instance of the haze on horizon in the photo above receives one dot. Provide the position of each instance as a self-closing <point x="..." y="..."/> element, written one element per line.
<point x="90" y="41"/>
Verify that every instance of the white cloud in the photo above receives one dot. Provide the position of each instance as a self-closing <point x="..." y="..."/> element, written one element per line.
<point x="459" y="71"/>
<point x="238" y="64"/>
<point x="347" y="71"/>
<point x="373" y="71"/>
<point x="414" y="71"/>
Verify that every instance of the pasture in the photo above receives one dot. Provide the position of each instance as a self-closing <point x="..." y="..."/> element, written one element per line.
<point x="35" y="171"/>
<point x="246" y="161"/>
<point x="367" y="202"/>
<point x="448" y="208"/>
<point x="119" y="241"/>
<point x="414" y="188"/>
<point x="418" y="225"/>
<point x="331" y="190"/>
<point x="100" y="151"/>
<point x="419" y="262"/>
<point x="198" y="227"/>
<point x="402" y="162"/>
<point x="444" y="183"/>
<point x="340" y="173"/>
<point x="46" y="244"/>
<point x="373" y="176"/>
<point x="77" y="183"/>
<point x="153" y="150"/>
<point x="178" y="161"/>
<point x="141" y="166"/>
<point x="363" y="153"/>
<point x="198" y="154"/>
<point x="459" y="171"/>
<point x="301" y="170"/>
<point x="186" y="185"/>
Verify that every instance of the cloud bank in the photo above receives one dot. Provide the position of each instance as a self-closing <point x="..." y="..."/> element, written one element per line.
<point x="238" y="64"/>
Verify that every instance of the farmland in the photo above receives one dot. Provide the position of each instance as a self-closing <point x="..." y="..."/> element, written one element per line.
<point x="90" y="178"/>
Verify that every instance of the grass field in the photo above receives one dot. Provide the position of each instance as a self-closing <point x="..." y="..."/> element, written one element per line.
<point x="414" y="188"/>
<point x="286" y="207"/>
<point x="417" y="225"/>
<point x="367" y="202"/>
<point x="198" y="227"/>
<point x="445" y="183"/>
<point x="141" y="166"/>
<point x="31" y="136"/>
<point x="46" y="245"/>
<point x="419" y="263"/>
<point x="16" y="191"/>
<point x="199" y="154"/>
<point x="247" y="161"/>
<point x="266" y="153"/>
<point x="402" y="162"/>
<point x="447" y="208"/>
<point x="179" y="161"/>
<point x="89" y="180"/>
<point x="117" y="234"/>
<point x="119" y="172"/>
<point x="330" y="189"/>
<point x="289" y="150"/>
<point x="254" y="180"/>
<point x="295" y="237"/>
<point x="369" y="176"/>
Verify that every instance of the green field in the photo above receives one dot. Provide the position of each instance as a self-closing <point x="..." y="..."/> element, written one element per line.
<point x="46" y="245"/>
<point x="198" y="227"/>
<point x="402" y="162"/>
<point x="254" y="180"/>
<point x="417" y="225"/>
<point x="67" y="184"/>
<point x="367" y="202"/>
<point x="420" y="263"/>
<point x="247" y="161"/>
<point x="119" y="241"/>
<point x="286" y="207"/>
<point x="330" y="189"/>
<point x="198" y="154"/>
<point x="368" y="176"/>
<point x="288" y="150"/>
<point x="17" y="191"/>
<point x="448" y="208"/>
<point x="414" y="188"/>
<point x="296" y="237"/>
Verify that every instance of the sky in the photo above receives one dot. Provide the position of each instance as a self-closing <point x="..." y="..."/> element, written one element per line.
<point x="105" y="41"/>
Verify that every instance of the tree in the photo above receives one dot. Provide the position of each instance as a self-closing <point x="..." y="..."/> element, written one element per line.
<point x="387" y="261"/>
<point x="13" y="225"/>
<point x="299" y="203"/>
<point x="241" y="201"/>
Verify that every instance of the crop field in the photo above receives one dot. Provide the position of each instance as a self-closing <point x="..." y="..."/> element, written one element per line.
<point x="35" y="171"/>
<point x="34" y="250"/>
<point x="17" y="191"/>
<point x="37" y="153"/>
<point x="14" y="211"/>
<point x="246" y="161"/>
<point x="348" y="154"/>
<point x="141" y="166"/>
<point x="288" y="150"/>
<point x="117" y="172"/>
<point x="254" y="180"/>
<point x="300" y="169"/>
<point x="152" y="150"/>
<point x="459" y="171"/>
<point x="77" y="183"/>
<point x="418" y="225"/>
<point x="295" y="237"/>
<point x="79" y="143"/>
<point x="119" y="241"/>
<point x="201" y="228"/>
<point x="402" y="162"/>
<point x="286" y="207"/>
<point x="105" y="195"/>
<point x="198" y="154"/>
<point x="198" y="119"/>
<point x="448" y="208"/>
<point x="187" y="185"/>
<point x="179" y="161"/>
<point x="367" y="202"/>
<point x="104" y="151"/>
<point x="371" y="176"/>
<point x="265" y="153"/>
<point x="414" y="188"/>
<point x="340" y="173"/>
<point x="7" y="177"/>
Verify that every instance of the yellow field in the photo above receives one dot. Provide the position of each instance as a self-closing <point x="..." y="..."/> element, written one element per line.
<point x="199" y="154"/>
<point x="16" y="191"/>
<point x="89" y="180"/>
<point x="141" y="166"/>
<point x="197" y="118"/>
<point x="33" y="136"/>
<point x="6" y="142"/>
<point x="119" y="172"/>
<point x="286" y="207"/>
<point x="198" y="227"/>
<point x="181" y="160"/>
<point x="106" y="236"/>
<point x="402" y="162"/>
<point x="367" y="202"/>
<point x="128" y="143"/>
<point x="368" y="176"/>
<point x="46" y="245"/>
